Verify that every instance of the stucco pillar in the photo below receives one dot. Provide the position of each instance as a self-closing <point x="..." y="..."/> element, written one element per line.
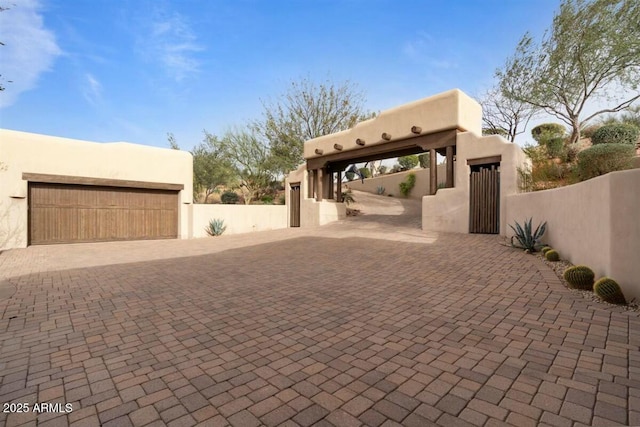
<point x="449" y="183"/>
<point x="310" y="184"/>
<point x="319" y="175"/>
<point x="433" y="172"/>
<point x="339" y="186"/>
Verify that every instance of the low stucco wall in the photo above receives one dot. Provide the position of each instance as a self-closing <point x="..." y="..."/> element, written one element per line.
<point x="595" y="223"/>
<point x="391" y="182"/>
<point x="22" y="152"/>
<point x="448" y="209"/>
<point x="239" y="218"/>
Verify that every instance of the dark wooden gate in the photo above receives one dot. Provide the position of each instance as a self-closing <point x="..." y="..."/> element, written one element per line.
<point x="484" y="203"/>
<point x="294" y="205"/>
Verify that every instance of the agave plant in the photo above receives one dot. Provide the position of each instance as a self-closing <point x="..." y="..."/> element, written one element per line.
<point x="527" y="239"/>
<point x="216" y="227"/>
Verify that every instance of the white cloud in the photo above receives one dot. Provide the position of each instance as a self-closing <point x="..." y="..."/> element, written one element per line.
<point x="29" y="49"/>
<point x="92" y="90"/>
<point x="171" y="41"/>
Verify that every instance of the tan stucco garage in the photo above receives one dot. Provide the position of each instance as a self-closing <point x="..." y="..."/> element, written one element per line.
<point x="58" y="190"/>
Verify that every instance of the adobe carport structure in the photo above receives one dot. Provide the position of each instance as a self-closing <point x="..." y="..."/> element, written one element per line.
<point x="480" y="171"/>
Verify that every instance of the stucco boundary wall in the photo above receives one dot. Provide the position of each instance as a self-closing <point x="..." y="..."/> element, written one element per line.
<point x="391" y="182"/>
<point x="594" y="223"/>
<point x="238" y="218"/>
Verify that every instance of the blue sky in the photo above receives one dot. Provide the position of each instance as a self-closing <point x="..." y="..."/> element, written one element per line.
<point x="133" y="70"/>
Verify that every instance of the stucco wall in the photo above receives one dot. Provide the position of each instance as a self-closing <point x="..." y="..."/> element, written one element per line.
<point x="33" y="153"/>
<point x="595" y="223"/>
<point x="391" y="182"/>
<point x="239" y="218"/>
<point x="448" y="209"/>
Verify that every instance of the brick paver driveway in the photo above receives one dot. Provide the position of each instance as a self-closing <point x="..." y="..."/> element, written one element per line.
<point x="349" y="324"/>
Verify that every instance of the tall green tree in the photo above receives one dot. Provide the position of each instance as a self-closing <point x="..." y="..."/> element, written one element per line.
<point x="252" y="161"/>
<point x="590" y="53"/>
<point x="305" y="111"/>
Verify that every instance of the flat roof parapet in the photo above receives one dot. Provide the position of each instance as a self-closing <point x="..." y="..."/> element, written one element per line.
<point x="445" y="111"/>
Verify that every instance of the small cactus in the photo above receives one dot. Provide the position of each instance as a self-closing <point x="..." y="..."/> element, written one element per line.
<point x="545" y="249"/>
<point x="579" y="277"/>
<point x="608" y="290"/>
<point x="552" y="255"/>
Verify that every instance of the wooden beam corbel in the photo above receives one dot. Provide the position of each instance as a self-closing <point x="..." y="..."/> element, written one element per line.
<point x="386" y="136"/>
<point x="319" y="151"/>
<point x="416" y="129"/>
<point x="360" y="142"/>
<point x="337" y="147"/>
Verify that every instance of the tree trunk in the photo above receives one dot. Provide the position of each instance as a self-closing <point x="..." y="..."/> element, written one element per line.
<point x="575" y="131"/>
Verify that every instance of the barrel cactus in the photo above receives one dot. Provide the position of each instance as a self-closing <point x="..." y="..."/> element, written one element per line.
<point x="545" y="249"/>
<point x="579" y="277"/>
<point x="552" y="255"/>
<point x="608" y="290"/>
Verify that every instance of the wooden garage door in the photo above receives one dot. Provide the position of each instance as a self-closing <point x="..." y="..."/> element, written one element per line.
<point x="64" y="213"/>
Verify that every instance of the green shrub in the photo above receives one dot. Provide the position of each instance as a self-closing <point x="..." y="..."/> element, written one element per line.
<point x="408" y="162"/>
<point x="365" y="172"/>
<point x="545" y="249"/>
<point x="570" y="154"/>
<point x="229" y="198"/>
<point x="547" y="131"/>
<point x="424" y="159"/>
<point x="555" y="147"/>
<point x="215" y="227"/>
<point x="350" y="176"/>
<point x="495" y="131"/>
<point x="382" y="170"/>
<point x="616" y="133"/>
<point x="407" y="185"/>
<point x="588" y="131"/>
<point x="396" y="168"/>
<point x="552" y="255"/>
<point x="608" y="290"/>
<point x="267" y="200"/>
<point x="579" y="277"/>
<point x="282" y="199"/>
<point x="604" y="158"/>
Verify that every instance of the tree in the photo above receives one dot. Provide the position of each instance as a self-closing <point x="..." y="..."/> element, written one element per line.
<point x="505" y="116"/>
<point x="210" y="168"/>
<point x="408" y="162"/>
<point x="425" y="160"/>
<point x="591" y="50"/>
<point x="306" y="111"/>
<point x="251" y="160"/>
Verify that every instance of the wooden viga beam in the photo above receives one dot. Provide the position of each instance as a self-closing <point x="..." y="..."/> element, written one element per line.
<point x="360" y="142"/>
<point x="319" y="151"/>
<point x="386" y="136"/>
<point x="416" y="129"/>
<point x="337" y="147"/>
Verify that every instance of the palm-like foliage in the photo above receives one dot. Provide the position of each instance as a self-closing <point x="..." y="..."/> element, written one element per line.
<point x="526" y="238"/>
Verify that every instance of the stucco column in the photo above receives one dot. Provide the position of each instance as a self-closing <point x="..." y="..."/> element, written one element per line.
<point x="339" y="188"/>
<point x="449" y="183"/>
<point x="310" y="184"/>
<point x="319" y="175"/>
<point x="433" y="172"/>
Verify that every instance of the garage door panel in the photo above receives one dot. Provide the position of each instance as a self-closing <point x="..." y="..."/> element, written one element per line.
<point x="66" y="213"/>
